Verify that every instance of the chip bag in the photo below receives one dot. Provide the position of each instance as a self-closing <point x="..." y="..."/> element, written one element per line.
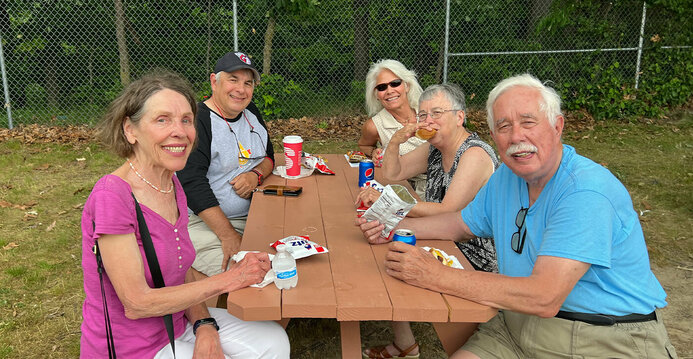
<point x="300" y="246"/>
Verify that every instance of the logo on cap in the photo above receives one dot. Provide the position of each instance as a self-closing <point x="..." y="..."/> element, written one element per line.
<point x="243" y="57"/>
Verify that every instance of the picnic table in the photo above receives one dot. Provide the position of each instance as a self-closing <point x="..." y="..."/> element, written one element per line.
<point x="349" y="283"/>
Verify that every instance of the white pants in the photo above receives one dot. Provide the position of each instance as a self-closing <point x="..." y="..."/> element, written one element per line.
<point x="239" y="339"/>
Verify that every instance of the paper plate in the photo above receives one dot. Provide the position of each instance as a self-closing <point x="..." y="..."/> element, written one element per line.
<point x="281" y="171"/>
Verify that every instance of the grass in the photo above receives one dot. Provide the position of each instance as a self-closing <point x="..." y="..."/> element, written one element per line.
<point x="40" y="251"/>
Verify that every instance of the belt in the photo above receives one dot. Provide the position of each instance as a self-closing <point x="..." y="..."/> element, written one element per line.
<point x="603" y="319"/>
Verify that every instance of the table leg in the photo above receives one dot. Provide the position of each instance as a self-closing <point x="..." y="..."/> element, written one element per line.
<point x="453" y="335"/>
<point x="351" y="340"/>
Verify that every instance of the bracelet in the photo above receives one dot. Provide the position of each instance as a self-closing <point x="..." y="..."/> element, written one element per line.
<point x="259" y="176"/>
<point x="204" y="321"/>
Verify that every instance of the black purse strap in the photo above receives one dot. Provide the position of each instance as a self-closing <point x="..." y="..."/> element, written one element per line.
<point x="107" y="318"/>
<point x="154" y="268"/>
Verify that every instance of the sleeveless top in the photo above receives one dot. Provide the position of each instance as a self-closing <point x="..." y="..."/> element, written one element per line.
<point x="480" y="252"/>
<point x="387" y="125"/>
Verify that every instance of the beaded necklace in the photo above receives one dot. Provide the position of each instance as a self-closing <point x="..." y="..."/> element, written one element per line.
<point x="147" y="182"/>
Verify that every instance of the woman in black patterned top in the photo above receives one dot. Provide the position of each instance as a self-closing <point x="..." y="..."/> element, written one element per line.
<point x="458" y="164"/>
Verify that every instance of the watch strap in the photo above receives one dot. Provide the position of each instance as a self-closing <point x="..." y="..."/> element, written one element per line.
<point x="204" y="321"/>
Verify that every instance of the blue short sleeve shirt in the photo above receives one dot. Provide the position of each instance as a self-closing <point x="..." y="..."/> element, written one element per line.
<point x="583" y="213"/>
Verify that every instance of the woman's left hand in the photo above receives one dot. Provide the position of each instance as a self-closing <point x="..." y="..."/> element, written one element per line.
<point x="207" y="343"/>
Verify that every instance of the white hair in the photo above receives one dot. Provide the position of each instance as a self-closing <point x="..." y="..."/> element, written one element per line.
<point x="452" y="93"/>
<point x="217" y="76"/>
<point x="550" y="105"/>
<point x="414" y="90"/>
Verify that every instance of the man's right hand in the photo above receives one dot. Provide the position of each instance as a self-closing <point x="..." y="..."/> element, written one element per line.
<point x="229" y="246"/>
<point x="372" y="231"/>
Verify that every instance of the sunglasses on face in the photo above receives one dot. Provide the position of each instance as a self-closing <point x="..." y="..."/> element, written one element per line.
<point x="517" y="241"/>
<point x="393" y="84"/>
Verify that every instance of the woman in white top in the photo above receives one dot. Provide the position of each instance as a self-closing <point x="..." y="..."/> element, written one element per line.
<point x="392" y="97"/>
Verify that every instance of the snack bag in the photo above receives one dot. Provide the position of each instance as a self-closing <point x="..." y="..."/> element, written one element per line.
<point x="315" y="162"/>
<point x="300" y="246"/>
<point x="375" y="184"/>
<point x="391" y="207"/>
<point x="446" y="259"/>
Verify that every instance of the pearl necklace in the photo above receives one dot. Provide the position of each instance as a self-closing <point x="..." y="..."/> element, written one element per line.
<point x="147" y="182"/>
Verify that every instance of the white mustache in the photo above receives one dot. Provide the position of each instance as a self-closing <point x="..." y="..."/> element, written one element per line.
<point x="520" y="147"/>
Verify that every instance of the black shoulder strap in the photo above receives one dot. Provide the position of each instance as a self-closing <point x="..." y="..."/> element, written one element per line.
<point x="154" y="268"/>
<point x="107" y="319"/>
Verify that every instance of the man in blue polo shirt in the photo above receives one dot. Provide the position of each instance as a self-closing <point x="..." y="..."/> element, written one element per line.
<point x="574" y="274"/>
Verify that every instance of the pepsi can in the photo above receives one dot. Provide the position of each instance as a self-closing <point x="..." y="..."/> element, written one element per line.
<point x="404" y="235"/>
<point x="366" y="172"/>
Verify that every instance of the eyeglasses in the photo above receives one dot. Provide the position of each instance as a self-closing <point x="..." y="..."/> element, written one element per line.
<point x="517" y="241"/>
<point x="242" y="160"/>
<point x="393" y="84"/>
<point x="435" y="114"/>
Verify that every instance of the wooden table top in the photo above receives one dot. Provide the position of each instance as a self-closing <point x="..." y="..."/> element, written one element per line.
<point x="349" y="283"/>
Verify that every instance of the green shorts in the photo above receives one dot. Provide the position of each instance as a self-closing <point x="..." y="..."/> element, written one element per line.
<point x="515" y="335"/>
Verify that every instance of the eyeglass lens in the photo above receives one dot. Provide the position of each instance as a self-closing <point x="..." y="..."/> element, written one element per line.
<point x="434" y="115"/>
<point x="393" y="84"/>
<point x="517" y="241"/>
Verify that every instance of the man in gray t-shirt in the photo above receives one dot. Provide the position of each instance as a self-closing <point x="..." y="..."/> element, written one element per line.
<point x="233" y="156"/>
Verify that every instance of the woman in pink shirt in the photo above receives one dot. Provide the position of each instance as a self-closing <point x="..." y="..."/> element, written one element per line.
<point x="152" y="126"/>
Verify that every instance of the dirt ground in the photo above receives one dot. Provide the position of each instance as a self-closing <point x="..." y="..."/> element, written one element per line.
<point x="678" y="316"/>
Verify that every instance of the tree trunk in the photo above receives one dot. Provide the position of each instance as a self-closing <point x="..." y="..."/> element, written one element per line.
<point x="122" y="45"/>
<point x="361" y="51"/>
<point x="267" y="51"/>
<point x="441" y="58"/>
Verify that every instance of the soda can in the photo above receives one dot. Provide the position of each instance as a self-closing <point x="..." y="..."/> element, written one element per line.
<point x="366" y="171"/>
<point x="404" y="235"/>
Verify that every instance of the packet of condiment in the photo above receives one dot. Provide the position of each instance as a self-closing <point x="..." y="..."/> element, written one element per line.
<point x="446" y="259"/>
<point x="392" y="205"/>
<point x="300" y="246"/>
<point x="315" y="162"/>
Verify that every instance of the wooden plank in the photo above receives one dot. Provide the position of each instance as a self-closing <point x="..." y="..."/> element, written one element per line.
<point x="463" y="310"/>
<point x="265" y="221"/>
<point x="359" y="289"/>
<point x="411" y="303"/>
<point x="453" y="335"/>
<point x="314" y="295"/>
<point x="351" y="340"/>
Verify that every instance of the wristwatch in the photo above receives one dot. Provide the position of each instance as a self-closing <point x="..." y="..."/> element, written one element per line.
<point x="204" y="321"/>
<point x="259" y="176"/>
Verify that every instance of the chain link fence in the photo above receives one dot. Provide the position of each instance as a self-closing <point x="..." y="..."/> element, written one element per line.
<point x="65" y="60"/>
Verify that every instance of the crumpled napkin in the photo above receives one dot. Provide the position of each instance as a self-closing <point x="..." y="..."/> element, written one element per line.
<point x="269" y="276"/>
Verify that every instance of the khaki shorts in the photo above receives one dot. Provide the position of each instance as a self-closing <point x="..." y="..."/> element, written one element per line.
<point x="208" y="253"/>
<point x="514" y="335"/>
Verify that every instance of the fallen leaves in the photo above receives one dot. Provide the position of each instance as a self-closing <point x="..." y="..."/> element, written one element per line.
<point x="10" y="245"/>
<point x="51" y="226"/>
<point x="23" y="207"/>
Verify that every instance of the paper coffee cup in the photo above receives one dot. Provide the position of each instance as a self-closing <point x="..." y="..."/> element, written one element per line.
<point x="293" y="147"/>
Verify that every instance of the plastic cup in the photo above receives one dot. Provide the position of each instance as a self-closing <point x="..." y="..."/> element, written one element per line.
<point x="293" y="147"/>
